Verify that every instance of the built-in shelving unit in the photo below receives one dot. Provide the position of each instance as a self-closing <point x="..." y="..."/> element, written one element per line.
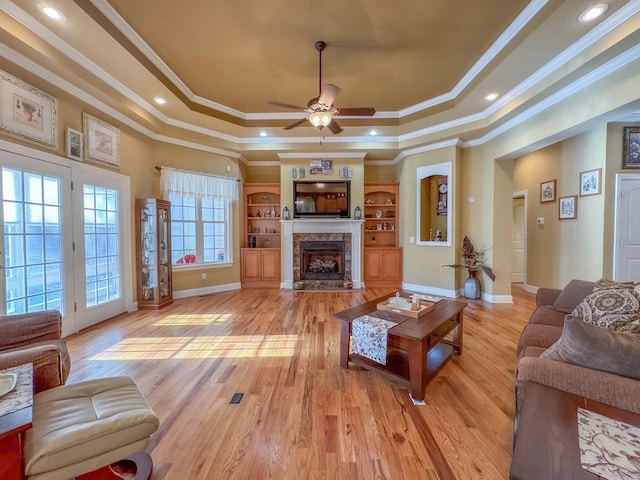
<point x="261" y="245"/>
<point x="382" y="254"/>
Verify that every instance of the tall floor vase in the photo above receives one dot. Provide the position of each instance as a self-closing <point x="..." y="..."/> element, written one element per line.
<point x="472" y="286"/>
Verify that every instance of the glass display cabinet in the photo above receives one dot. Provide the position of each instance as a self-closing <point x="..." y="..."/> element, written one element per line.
<point x="153" y="253"/>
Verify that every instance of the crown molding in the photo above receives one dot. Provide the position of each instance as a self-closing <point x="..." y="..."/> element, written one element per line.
<point x="327" y="155"/>
<point x="610" y="23"/>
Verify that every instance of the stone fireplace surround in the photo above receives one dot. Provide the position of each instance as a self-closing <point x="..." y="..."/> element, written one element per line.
<point x="322" y="229"/>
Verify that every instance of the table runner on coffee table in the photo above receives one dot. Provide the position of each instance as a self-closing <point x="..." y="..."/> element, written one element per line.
<point x="370" y="337"/>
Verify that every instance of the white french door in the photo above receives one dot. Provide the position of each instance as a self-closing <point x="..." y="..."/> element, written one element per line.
<point x="36" y="246"/>
<point x="101" y="203"/>
<point x="66" y="240"/>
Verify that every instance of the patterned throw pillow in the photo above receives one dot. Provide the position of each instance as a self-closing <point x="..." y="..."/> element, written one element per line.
<point x="613" y="305"/>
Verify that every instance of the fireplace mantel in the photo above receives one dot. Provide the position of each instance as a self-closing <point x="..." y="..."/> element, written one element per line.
<point x="323" y="225"/>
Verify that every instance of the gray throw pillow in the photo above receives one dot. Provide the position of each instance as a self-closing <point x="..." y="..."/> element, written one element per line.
<point x="597" y="348"/>
<point x="572" y="294"/>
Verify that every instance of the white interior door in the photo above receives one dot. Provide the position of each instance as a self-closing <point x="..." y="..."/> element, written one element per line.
<point x="36" y="248"/>
<point x="518" y="241"/>
<point x="626" y="252"/>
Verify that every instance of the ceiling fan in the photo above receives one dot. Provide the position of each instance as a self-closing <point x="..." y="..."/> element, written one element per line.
<point x="321" y="111"/>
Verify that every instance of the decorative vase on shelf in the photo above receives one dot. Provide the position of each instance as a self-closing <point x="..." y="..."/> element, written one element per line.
<point x="472" y="287"/>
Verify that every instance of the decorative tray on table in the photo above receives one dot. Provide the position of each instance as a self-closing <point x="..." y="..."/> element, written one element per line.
<point x="403" y="305"/>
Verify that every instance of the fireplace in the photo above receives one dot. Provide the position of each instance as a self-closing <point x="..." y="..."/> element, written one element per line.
<point x="321" y="260"/>
<point x="346" y="231"/>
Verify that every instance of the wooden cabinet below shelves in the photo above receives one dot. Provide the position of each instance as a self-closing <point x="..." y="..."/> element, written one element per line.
<point x="260" y="267"/>
<point x="383" y="267"/>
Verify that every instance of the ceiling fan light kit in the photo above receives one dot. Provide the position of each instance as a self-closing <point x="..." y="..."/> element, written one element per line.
<point x="321" y="111"/>
<point x="320" y="119"/>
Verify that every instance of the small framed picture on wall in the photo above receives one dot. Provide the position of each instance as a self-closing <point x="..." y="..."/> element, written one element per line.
<point x="590" y="182"/>
<point x="74" y="144"/>
<point x="568" y="207"/>
<point x="631" y="147"/>
<point x="548" y="191"/>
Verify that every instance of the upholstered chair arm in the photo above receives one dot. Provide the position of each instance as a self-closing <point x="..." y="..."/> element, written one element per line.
<point x="26" y="329"/>
<point x="50" y="361"/>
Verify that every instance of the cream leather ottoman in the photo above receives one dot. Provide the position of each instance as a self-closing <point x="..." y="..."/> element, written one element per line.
<point x="84" y="426"/>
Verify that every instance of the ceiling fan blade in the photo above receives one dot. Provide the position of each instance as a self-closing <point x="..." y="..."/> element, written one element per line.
<point x="286" y="105"/>
<point x="334" y="127"/>
<point x="328" y="94"/>
<point x="357" y="111"/>
<point x="295" y="124"/>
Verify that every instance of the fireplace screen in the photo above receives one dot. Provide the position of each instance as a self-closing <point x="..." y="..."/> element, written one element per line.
<point x="321" y="260"/>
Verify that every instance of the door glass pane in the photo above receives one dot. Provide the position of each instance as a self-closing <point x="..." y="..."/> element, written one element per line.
<point x="101" y="243"/>
<point x="31" y="205"/>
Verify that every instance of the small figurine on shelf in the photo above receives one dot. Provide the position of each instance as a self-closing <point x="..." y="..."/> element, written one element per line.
<point x="357" y="213"/>
<point x="285" y="213"/>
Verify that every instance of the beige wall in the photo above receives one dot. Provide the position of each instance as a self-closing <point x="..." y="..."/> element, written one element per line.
<point x="561" y="250"/>
<point x="423" y="263"/>
<point x="380" y="174"/>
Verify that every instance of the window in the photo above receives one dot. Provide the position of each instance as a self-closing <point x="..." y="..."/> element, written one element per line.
<point x="201" y="227"/>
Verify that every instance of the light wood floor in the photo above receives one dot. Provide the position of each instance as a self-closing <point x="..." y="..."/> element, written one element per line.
<point x="302" y="416"/>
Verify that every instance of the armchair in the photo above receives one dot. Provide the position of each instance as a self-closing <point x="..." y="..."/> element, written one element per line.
<point x="36" y="338"/>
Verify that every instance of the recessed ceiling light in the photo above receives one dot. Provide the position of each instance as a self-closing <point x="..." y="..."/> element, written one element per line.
<point x="262" y="133"/>
<point x="373" y="133"/>
<point x="159" y="100"/>
<point x="52" y="12"/>
<point x="490" y="97"/>
<point x="593" y="12"/>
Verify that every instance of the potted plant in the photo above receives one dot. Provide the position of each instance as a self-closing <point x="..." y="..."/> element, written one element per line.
<point x="473" y="261"/>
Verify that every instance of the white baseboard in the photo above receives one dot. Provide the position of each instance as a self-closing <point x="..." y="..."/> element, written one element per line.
<point x="530" y="288"/>
<point x="440" y="292"/>
<point x="194" y="292"/>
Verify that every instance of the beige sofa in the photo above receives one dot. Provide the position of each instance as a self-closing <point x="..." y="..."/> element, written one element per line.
<point x="542" y="330"/>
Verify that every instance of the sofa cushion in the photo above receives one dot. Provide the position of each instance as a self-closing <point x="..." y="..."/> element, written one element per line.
<point x="547" y="315"/>
<point x="572" y="294"/>
<point x="614" y="305"/>
<point x="535" y="335"/>
<point x="590" y="346"/>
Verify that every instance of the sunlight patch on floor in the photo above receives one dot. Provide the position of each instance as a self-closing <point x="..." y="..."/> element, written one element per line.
<point x="223" y="346"/>
<point x="194" y="319"/>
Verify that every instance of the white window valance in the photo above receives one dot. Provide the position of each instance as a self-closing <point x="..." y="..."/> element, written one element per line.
<point x="198" y="185"/>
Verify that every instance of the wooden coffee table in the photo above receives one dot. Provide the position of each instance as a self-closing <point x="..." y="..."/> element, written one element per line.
<point x="416" y="347"/>
<point x="547" y="442"/>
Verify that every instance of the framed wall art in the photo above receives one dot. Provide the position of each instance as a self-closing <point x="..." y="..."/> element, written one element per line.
<point x="101" y="140"/>
<point x="74" y="145"/>
<point x="548" y="191"/>
<point x="568" y="207"/>
<point x="590" y="182"/>
<point x="315" y="167"/>
<point x="631" y="147"/>
<point x="28" y="112"/>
